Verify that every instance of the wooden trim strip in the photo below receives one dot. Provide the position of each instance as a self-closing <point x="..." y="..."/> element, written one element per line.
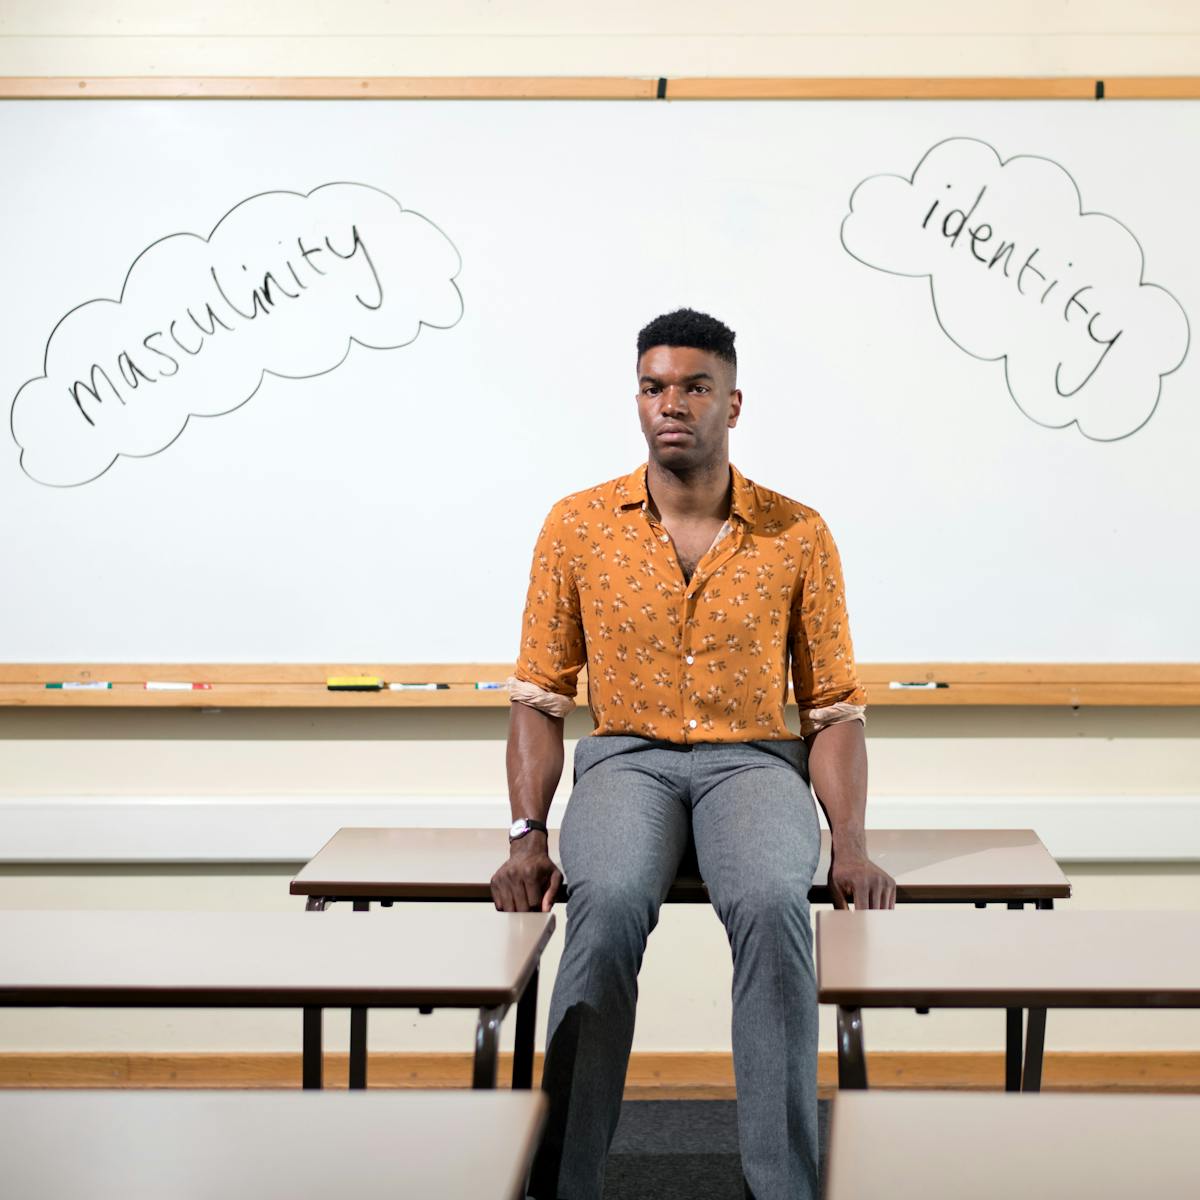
<point x="1136" y="695"/>
<point x="328" y="88"/>
<point x="259" y="674"/>
<point x="976" y="674"/>
<point x="1162" y="87"/>
<point x="851" y="88"/>
<point x="152" y="87"/>
<point x="1041" y="673"/>
<point x="129" y="695"/>
<point x="302" y="685"/>
<point x="652" y="1076"/>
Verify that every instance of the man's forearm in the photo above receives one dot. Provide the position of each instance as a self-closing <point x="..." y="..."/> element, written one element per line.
<point x="529" y="880"/>
<point x="837" y="765"/>
<point x="535" y="760"/>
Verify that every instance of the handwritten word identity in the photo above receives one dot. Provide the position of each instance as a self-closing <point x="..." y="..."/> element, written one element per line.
<point x="1019" y="272"/>
<point x="1028" y="278"/>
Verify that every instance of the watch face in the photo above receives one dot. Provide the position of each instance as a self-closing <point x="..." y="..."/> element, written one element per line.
<point x="518" y="828"/>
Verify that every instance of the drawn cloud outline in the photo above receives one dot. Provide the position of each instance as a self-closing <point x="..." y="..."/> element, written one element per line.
<point x="351" y="340"/>
<point x="911" y="179"/>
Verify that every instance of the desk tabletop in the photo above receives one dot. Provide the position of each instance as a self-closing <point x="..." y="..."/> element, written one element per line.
<point x="993" y="1146"/>
<point x="448" y="956"/>
<point x="457" y="864"/>
<point x="268" y="1145"/>
<point x="917" y="958"/>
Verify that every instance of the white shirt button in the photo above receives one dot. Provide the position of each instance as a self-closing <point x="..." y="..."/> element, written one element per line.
<point x="664" y="537"/>
<point x="692" y="723"/>
<point x="689" y="660"/>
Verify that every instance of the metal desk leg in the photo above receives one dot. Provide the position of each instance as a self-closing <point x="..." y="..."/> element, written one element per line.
<point x="317" y="904"/>
<point x="1035" y="1036"/>
<point x="358" y="1029"/>
<point x="487" y="1047"/>
<point x="852" y="1063"/>
<point x="1014" y="1018"/>
<point x="312" y="1056"/>
<point x="522" y="1073"/>
<point x="358" y="1048"/>
<point x="1034" y="1039"/>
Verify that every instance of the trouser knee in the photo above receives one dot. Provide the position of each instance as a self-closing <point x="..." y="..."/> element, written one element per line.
<point x="610" y="919"/>
<point x="771" y="908"/>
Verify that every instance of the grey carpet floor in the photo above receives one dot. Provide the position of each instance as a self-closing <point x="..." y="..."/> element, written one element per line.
<point x="680" y="1150"/>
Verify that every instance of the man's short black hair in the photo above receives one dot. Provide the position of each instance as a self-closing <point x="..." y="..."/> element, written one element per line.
<point x="687" y="327"/>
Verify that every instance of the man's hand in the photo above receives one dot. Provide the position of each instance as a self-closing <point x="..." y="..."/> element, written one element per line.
<point x="854" y="878"/>
<point x="529" y="880"/>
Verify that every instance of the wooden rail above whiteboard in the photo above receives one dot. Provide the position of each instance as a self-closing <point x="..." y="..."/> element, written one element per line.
<point x="274" y="685"/>
<point x="543" y="87"/>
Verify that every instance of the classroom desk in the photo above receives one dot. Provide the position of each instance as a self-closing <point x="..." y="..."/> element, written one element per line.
<point x="450" y="958"/>
<point x="957" y="1146"/>
<point x="268" y="1145"/>
<point x="930" y="866"/>
<point x="945" y="959"/>
<point x="972" y="866"/>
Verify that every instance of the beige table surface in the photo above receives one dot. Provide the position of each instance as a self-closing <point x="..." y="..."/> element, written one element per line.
<point x="921" y="957"/>
<point x="461" y="955"/>
<point x="928" y="864"/>
<point x="267" y="1145"/>
<point x="1011" y="1146"/>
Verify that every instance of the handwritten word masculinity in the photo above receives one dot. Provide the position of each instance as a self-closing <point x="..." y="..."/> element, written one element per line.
<point x="164" y="352"/>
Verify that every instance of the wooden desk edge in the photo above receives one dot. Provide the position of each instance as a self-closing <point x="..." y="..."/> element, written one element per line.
<point x="321" y="996"/>
<point x="241" y="996"/>
<point x="687" y="894"/>
<point x="1015" y="997"/>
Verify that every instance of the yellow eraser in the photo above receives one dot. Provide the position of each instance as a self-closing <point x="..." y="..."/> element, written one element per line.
<point x="357" y="683"/>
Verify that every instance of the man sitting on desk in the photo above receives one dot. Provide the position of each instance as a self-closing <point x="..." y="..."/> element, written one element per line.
<point x="685" y="588"/>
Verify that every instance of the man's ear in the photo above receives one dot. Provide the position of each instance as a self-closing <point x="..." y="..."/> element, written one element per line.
<point x="735" y="406"/>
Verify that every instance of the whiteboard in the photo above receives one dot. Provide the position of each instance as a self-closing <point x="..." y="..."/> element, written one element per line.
<point x="362" y="483"/>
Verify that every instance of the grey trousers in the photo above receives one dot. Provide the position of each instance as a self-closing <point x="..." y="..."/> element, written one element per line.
<point x="749" y="812"/>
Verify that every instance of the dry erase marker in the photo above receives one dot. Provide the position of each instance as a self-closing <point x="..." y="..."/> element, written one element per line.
<point x="155" y="685"/>
<point x="355" y="683"/>
<point x="419" y="687"/>
<point x="488" y="687"/>
<point x="80" y="687"/>
<point x="920" y="686"/>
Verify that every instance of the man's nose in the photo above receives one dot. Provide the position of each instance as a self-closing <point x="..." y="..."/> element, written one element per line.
<point x="674" y="400"/>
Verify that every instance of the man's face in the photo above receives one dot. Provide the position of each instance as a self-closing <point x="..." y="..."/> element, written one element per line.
<point x="687" y="403"/>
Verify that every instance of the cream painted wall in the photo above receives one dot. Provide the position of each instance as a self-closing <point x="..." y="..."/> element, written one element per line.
<point x="684" y="1002"/>
<point x="620" y="37"/>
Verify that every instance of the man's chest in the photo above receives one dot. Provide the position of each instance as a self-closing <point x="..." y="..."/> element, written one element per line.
<point x="644" y="591"/>
<point x="691" y="541"/>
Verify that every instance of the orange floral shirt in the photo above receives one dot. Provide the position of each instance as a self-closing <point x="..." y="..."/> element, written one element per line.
<point x="704" y="660"/>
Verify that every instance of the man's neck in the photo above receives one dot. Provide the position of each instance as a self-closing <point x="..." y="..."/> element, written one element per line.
<point x="692" y="495"/>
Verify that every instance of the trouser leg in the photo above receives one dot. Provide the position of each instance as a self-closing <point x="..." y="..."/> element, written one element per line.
<point x="757" y="841"/>
<point x="623" y="834"/>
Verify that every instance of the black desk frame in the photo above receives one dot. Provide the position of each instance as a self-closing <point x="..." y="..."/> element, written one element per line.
<point x="487" y="1029"/>
<point x="1022" y="1062"/>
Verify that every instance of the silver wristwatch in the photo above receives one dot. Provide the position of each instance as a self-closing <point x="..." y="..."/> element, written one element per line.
<point x="522" y="825"/>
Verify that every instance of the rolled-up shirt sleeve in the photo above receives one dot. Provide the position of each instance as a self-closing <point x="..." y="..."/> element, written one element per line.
<point x="552" y="649"/>
<point x="823" y="673"/>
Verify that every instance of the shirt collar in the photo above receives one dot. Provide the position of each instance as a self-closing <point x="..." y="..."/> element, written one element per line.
<point x="633" y="494"/>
